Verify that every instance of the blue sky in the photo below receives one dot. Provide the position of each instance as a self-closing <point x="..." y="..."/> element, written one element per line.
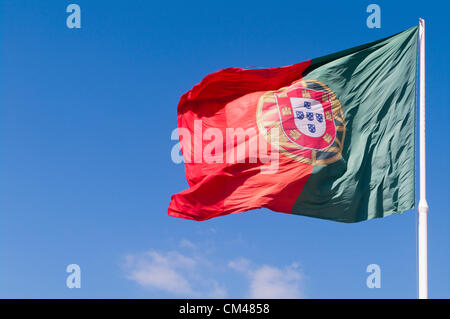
<point x="86" y="174"/>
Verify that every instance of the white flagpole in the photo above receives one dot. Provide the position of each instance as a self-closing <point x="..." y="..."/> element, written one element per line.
<point x="423" y="205"/>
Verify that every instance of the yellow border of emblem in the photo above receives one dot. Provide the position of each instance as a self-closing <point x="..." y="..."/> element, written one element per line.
<point x="332" y="153"/>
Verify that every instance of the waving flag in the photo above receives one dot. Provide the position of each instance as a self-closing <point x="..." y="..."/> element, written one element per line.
<point x="331" y="137"/>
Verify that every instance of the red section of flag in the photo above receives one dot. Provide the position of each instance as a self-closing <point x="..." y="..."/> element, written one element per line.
<point x="231" y="183"/>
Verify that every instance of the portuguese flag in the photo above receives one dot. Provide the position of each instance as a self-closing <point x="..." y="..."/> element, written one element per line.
<point x="332" y="137"/>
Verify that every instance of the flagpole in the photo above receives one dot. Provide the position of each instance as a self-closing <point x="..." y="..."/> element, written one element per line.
<point x="423" y="205"/>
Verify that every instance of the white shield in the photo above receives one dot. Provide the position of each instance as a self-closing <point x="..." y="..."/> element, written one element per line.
<point x="309" y="116"/>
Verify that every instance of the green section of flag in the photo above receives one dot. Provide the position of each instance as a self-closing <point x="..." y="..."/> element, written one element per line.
<point x="376" y="85"/>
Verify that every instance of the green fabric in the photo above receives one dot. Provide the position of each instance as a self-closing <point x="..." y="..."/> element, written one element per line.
<point x="376" y="85"/>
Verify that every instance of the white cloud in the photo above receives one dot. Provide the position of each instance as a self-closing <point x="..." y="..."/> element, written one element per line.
<point x="272" y="282"/>
<point x="175" y="273"/>
<point x="193" y="272"/>
<point x="268" y="281"/>
<point x="218" y="291"/>
<point x="240" y="264"/>
<point x="184" y="243"/>
<point x="161" y="271"/>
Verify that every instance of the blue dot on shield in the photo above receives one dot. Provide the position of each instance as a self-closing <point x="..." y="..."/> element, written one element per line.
<point x="312" y="128"/>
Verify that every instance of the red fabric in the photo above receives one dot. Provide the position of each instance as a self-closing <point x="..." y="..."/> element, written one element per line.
<point x="228" y="99"/>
